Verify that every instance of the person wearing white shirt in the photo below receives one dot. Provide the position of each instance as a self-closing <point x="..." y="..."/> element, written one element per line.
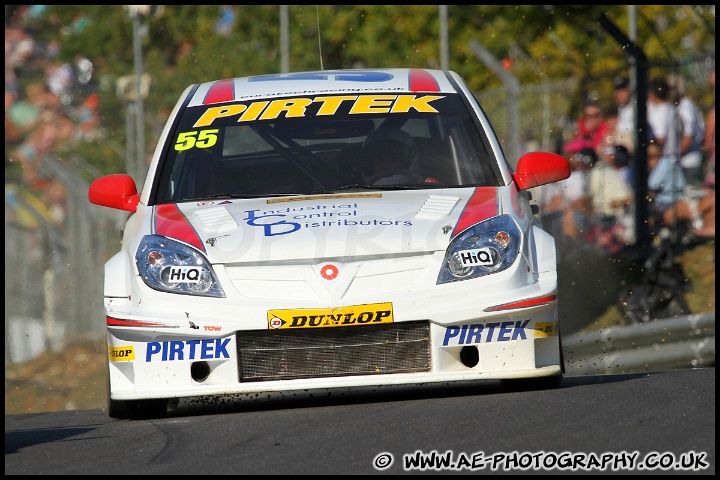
<point x="626" y="123"/>
<point x="612" y="200"/>
<point x="693" y="132"/>
<point x="664" y="118"/>
<point x="565" y="203"/>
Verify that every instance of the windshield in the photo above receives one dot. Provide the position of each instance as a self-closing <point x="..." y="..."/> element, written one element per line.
<point x="322" y="145"/>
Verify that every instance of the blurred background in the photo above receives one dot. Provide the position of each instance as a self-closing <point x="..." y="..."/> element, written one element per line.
<point x="88" y="90"/>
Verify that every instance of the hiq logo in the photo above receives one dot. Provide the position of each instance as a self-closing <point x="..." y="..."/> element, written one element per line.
<point x="480" y="256"/>
<point x="184" y="274"/>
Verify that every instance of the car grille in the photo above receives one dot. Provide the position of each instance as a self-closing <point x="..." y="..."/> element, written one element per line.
<point x="328" y="352"/>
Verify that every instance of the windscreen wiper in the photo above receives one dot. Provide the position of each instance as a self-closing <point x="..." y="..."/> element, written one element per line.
<point x="237" y="195"/>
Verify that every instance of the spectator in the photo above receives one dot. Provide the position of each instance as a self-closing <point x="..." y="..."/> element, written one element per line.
<point x="626" y="123"/>
<point x="55" y="198"/>
<point x="612" y="199"/>
<point x="693" y="215"/>
<point x="52" y="128"/>
<point x="706" y="211"/>
<point x="670" y="206"/>
<point x="666" y="185"/>
<point x="611" y="121"/>
<point x="576" y="214"/>
<point x="700" y="213"/>
<point x="591" y="130"/>
<point x="60" y="78"/>
<point x="613" y="145"/>
<point x="566" y="203"/>
<point x="663" y="118"/>
<point x="709" y="141"/>
<point x="19" y="48"/>
<point x="623" y="162"/>
<point x="13" y="132"/>
<point x="693" y="132"/>
<point x="21" y="115"/>
<point x="625" y="127"/>
<point x="89" y="117"/>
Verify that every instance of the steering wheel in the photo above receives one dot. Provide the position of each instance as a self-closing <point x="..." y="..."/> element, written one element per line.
<point x="395" y="177"/>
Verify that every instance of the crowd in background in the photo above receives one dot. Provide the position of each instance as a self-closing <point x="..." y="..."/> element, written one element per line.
<point x="596" y="204"/>
<point x="48" y="104"/>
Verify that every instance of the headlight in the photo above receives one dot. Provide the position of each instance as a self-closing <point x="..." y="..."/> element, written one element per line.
<point x="488" y="247"/>
<point x="170" y="266"/>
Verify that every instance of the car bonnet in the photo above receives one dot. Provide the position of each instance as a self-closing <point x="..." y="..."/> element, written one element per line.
<point x="333" y="226"/>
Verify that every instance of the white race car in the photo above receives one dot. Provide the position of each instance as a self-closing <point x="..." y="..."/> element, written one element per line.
<point x="324" y="230"/>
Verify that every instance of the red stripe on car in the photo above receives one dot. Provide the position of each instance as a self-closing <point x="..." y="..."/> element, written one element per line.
<point x="171" y="222"/>
<point x="221" y="91"/>
<point x="530" y="302"/>
<point x="481" y="206"/>
<point x="116" y="322"/>
<point x="422" y="81"/>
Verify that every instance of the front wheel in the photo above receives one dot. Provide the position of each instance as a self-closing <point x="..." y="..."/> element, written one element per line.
<point x="137" y="409"/>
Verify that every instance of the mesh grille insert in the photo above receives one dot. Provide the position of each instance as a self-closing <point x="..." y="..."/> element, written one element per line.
<point x="327" y="352"/>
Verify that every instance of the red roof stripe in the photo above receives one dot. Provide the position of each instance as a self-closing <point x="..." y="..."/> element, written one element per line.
<point x="481" y="206"/>
<point x="221" y="91"/>
<point x="171" y="222"/>
<point x="422" y="81"/>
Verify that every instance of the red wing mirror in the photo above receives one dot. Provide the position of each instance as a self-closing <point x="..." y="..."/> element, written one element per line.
<point x="539" y="168"/>
<point x="115" y="191"/>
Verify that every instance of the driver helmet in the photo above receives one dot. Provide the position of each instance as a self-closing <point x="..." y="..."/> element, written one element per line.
<point x="387" y="150"/>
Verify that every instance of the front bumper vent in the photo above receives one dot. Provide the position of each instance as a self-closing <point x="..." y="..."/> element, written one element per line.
<point x="336" y="351"/>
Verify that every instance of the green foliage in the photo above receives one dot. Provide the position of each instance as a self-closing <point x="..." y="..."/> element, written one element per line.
<point x="545" y="43"/>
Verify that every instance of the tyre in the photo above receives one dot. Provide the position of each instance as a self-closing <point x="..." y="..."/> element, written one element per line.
<point x="137" y="409"/>
<point x="538" y="383"/>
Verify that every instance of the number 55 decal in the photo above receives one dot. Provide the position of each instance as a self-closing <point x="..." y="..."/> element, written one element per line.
<point x="205" y="139"/>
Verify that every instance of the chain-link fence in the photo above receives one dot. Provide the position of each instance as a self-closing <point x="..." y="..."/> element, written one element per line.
<point x="54" y="265"/>
<point x="544" y="110"/>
